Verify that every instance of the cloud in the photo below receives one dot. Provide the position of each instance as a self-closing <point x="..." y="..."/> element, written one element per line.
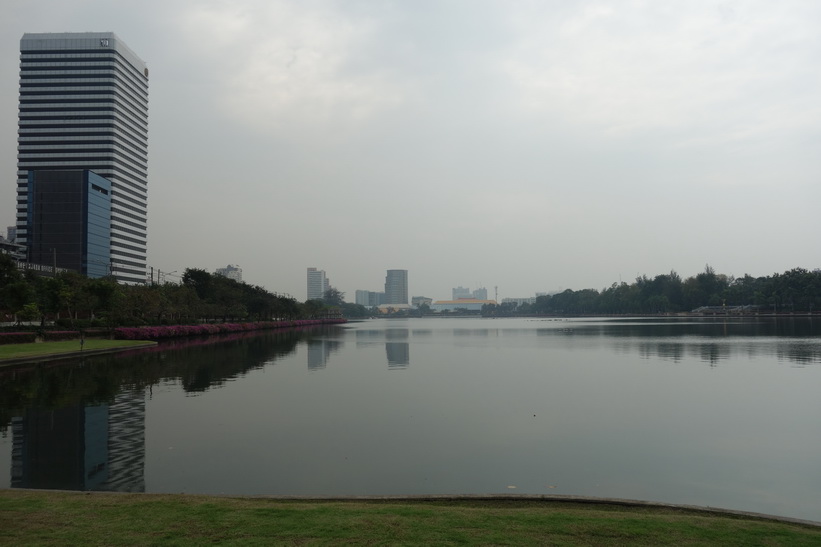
<point x="281" y="62"/>
<point x="630" y="67"/>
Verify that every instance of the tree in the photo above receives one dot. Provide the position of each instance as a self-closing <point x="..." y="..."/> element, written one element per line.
<point x="354" y="310"/>
<point x="8" y="270"/>
<point x="199" y="280"/>
<point x="333" y="297"/>
<point x="311" y="308"/>
<point x="15" y="296"/>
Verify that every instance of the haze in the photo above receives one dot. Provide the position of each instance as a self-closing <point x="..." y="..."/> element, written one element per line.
<point x="532" y="146"/>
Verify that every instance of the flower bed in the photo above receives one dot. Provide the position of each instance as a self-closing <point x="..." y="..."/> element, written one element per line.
<point x="17" y="337"/>
<point x="174" y="331"/>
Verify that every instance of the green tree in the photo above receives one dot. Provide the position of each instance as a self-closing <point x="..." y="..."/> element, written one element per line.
<point x="333" y="297"/>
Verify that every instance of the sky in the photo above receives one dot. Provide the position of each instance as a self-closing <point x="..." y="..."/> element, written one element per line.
<point x="523" y="146"/>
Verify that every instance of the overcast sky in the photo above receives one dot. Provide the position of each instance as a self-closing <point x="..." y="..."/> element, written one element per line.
<point x="529" y="145"/>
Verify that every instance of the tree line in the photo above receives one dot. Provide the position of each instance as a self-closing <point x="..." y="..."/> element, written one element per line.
<point x="794" y="291"/>
<point x="72" y="298"/>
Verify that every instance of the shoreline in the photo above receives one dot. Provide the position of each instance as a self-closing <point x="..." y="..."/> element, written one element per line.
<point x="145" y="337"/>
<point x="435" y="498"/>
<point x="108" y="518"/>
<point x="75" y="353"/>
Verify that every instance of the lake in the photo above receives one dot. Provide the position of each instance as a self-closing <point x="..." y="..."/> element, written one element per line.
<point x="717" y="412"/>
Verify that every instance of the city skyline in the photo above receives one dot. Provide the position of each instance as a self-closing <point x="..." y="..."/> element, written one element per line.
<point x="528" y="147"/>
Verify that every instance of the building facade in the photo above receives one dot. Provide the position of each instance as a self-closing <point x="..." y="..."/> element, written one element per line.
<point x="362" y="298"/>
<point x="466" y="304"/>
<point x="370" y="299"/>
<point x="84" y="106"/>
<point x="396" y="287"/>
<point x="460" y="292"/>
<point x="231" y="272"/>
<point x="69" y="221"/>
<point x="318" y="283"/>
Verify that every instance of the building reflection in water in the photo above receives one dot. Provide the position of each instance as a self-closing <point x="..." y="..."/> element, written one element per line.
<point x="319" y="351"/>
<point x="79" y="447"/>
<point x="398" y="354"/>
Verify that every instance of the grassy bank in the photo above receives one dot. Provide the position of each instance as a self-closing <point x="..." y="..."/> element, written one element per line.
<point x="58" y="518"/>
<point x="21" y="351"/>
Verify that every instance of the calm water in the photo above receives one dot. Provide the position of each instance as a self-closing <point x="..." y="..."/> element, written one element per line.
<point x="697" y="412"/>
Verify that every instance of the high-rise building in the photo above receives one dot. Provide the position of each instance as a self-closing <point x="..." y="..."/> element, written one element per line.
<point x="460" y="292"/>
<point x="317" y="284"/>
<point x="396" y="287"/>
<point x="84" y="106"/>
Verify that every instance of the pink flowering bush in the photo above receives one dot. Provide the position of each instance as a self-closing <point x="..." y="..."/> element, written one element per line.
<point x="175" y="331"/>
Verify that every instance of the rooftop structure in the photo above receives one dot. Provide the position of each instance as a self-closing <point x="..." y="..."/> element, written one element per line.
<point x="231" y="272"/>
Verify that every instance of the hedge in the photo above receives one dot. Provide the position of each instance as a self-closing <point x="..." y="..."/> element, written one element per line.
<point x="17" y="337"/>
<point x="58" y="335"/>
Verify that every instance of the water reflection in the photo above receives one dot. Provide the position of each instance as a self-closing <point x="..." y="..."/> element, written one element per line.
<point x="319" y="351"/>
<point x="97" y="442"/>
<point x="397" y="349"/>
<point x="580" y="407"/>
<point x="398" y="354"/>
<point x="81" y="447"/>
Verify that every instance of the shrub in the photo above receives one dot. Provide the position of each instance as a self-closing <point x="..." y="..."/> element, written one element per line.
<point x="58" y="335"/>
<point x="17" y="338"/>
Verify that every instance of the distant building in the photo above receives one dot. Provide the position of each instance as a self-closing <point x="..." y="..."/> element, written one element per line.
<point x="519" y="301"/>
<point x="69" y="221"/>
<point x="393" y="308"/>
<point x="396" y="287"/>
<point x="469" y="304"/>
<point x="318" y="283"/>
<point x="11" y="232"/>
<point x="417" y="301"/>
<point x="231" y="272"/>
<point x="15" y="250"/>
<point x="370" y="299"/>
<point x="362" y="297"/>
<point x="460" y="292"/>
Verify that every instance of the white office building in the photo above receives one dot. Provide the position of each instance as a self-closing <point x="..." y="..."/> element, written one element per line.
<point x="84" y="106"/>
<point x="318" y="283"/>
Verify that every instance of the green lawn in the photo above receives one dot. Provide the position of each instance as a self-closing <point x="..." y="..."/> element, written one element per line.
<point x="59" y="518"/>
<point x="17" y="351"/>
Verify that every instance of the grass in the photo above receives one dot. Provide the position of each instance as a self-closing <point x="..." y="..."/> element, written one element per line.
<point x="18" y="351"/>
<point x="66" y="518"/>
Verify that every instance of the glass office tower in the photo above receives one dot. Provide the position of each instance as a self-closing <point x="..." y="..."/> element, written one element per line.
<point x="69" y="221"/>
<point x="84" y="106"/>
